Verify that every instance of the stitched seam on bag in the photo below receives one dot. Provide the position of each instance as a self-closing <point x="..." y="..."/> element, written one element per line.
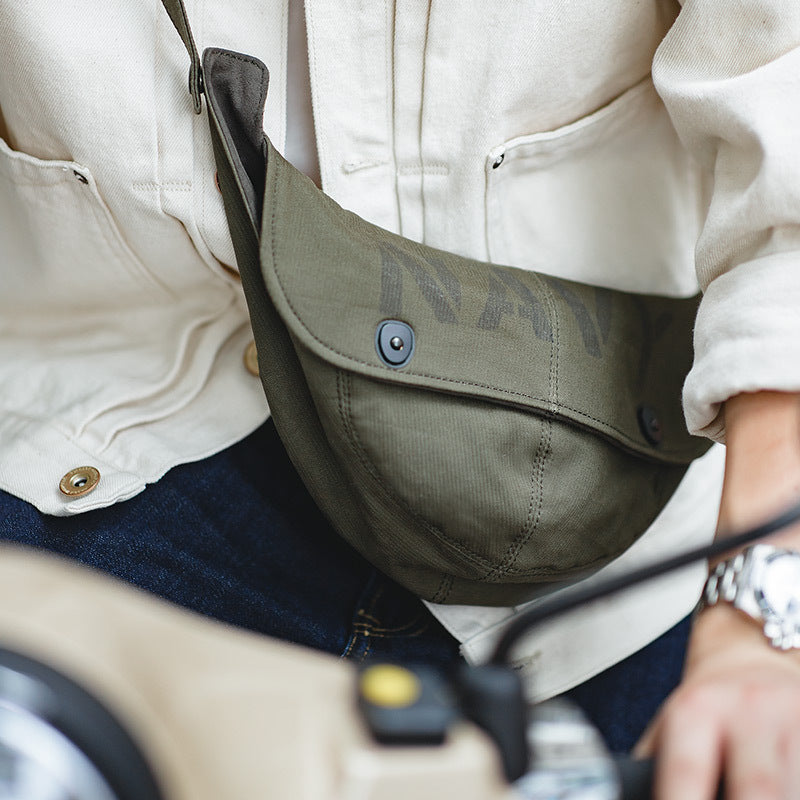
<point x="542" y="452"/>
<point x="443" y="592"/>
<point x="257" y="110"/>
<point x="360" y="450"/>
<point x="561" y="572"/>
<point x="345" y="414"/>
<point x="343" y="391"/>
<point x="534" y="511"/>
<point x="447" y="381"/>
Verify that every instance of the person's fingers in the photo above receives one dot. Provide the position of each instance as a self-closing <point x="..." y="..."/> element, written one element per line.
<point x="648" y="741"/>
<point x="689" y="740"/>
<point x="791" y="760"/>
<point x="754" y="761"/>
<point x="763" y="742"/>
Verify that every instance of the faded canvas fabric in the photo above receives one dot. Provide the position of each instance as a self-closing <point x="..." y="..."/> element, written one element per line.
<point x="472" y="429"/>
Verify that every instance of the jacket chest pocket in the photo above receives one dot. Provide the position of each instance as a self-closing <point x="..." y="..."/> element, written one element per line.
<point x="611" y="199"/>
<point x="63" y="253"/>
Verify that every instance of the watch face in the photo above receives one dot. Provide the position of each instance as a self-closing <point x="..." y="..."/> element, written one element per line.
<point x="779" y="583"/>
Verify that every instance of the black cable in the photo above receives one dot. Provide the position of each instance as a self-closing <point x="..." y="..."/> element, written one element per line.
<point x="573" y="598"/>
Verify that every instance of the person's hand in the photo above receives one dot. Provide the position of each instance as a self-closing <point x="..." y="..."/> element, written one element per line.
<point x="735" y="716"/>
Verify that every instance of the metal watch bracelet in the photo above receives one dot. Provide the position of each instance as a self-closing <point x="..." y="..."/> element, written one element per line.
<point x="744" y="582"/>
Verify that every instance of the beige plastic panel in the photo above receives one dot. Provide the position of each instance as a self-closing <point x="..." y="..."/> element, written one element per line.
<point x="221" y="712"/>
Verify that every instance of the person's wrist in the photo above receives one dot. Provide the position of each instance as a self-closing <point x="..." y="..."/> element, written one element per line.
<point x="722" y="635"/>
<point x="760" y="585"/>
<point x="762" y="466"/>
<point x="722" y="624"/>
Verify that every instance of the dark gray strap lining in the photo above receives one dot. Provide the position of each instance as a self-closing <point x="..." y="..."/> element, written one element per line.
<point x="177" y="13"/>
<point x="236" y="89"/>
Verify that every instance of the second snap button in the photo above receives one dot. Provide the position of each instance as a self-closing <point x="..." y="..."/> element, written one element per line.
<point x="79" y="481"/>
<point x="251" y="359"/>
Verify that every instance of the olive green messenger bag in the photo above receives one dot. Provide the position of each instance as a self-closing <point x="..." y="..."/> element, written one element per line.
<point x="474" y="430"/>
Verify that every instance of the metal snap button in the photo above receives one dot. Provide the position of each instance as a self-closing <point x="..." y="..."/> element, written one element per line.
<point x="650" y="425"/>
<point x="251" y="358"/>
<point x="498" y="161"/>
<point x="394" y="342"/>
<point x="79" y="481"/>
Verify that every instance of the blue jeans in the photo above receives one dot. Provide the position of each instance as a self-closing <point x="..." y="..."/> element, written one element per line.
<point x="236" y="537"/>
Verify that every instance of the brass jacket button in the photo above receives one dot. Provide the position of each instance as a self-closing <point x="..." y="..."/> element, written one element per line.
<point x="251" y="359"/>
<point x="79" y="481"/>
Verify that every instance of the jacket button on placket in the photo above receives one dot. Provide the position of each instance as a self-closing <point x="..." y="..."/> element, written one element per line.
<point x="79" y="481"/>
<point x="251" y="359"/>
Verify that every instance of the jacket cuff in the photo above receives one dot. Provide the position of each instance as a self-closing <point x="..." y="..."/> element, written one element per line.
<point x="747" y="339"/>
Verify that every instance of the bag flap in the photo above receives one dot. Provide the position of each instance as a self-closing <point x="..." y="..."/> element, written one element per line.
<point x="609" y="361"/>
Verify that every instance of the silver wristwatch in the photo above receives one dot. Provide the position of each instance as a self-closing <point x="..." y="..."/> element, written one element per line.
<point x="764" y="583"/>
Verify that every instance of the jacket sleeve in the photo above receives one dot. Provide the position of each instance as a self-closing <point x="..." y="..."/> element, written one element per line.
<point x="729" y="74"/>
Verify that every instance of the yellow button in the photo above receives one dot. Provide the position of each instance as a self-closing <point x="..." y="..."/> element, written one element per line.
<point x="390" y="686"/>
<point x="251" y="358"/>
<point x="79" y="481"/>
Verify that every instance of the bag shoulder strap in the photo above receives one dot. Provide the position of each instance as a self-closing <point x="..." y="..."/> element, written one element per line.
<point x="177" y="13"/>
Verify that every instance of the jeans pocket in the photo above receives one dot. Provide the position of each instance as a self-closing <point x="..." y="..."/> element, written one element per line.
<point x="391" y="624"/>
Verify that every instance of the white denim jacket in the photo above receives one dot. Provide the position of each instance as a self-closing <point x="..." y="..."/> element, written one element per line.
<point x="629" y="144"/>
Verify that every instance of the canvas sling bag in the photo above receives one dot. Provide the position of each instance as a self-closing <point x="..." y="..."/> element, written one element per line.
<point x="474" y="430"/>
